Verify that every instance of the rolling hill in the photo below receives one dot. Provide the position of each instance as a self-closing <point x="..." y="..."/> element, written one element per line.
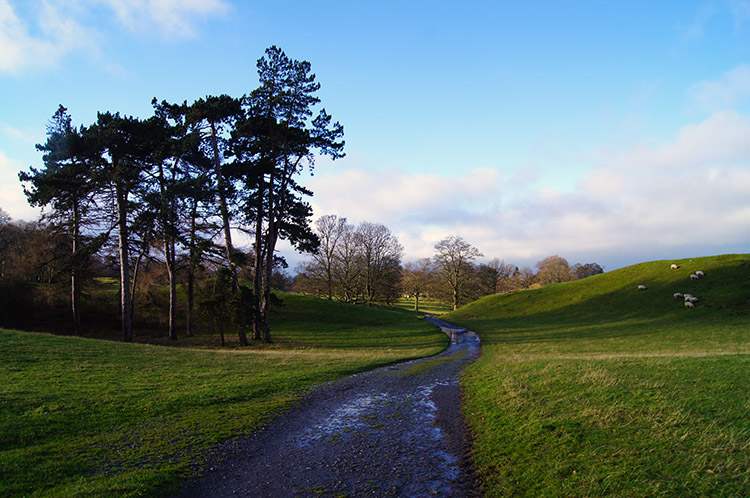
<point x="594" y="388"/>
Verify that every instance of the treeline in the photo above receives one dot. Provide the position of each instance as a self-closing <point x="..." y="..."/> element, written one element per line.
<point x="167" y="187"/>
<point x="363" y="264"/>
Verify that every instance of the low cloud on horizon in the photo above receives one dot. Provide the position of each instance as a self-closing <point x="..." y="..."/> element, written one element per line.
<point x="686" y="197"/>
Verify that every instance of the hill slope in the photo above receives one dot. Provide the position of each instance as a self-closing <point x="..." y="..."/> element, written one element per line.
<point x="594" y="388"/>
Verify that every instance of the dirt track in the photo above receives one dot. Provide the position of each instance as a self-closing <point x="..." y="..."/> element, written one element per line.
<point x="395" y="431"/>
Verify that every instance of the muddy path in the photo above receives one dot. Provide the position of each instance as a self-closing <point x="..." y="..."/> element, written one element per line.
<point x="394" y="431"/>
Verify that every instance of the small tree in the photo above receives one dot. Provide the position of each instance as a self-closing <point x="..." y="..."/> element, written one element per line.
<point x="587" y="270"/>
<point x="416" y="279"/>
<point x="453" y="262"/>
<point x="553" y="269"/>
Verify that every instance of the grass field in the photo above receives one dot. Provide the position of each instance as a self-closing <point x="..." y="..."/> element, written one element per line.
<point x="594" y="388"/>
<point x="84" y="417"/>
<point x="425" y="305"/>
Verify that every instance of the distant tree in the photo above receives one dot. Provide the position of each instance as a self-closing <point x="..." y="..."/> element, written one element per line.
<point x="10" y="243"/>
<point x="416" y="279"/>
<point x="486" y="278"/>
<point x="525" y="277"/>
<point x="587" y="270"/>
<point x="380" y="260"/>
<point x="453" y="263"/>
<point x="553" y="269"/>
<point x="348" y="271"/>
<point x="330" y="230"/>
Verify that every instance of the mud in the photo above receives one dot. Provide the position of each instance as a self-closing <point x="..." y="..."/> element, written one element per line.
<point x="394" y="431"/>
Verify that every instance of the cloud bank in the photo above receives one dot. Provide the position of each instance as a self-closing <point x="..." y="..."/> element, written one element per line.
<point x="684" y="197"/>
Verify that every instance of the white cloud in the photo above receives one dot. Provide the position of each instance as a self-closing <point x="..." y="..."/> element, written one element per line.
<point x="11" y="192"/>
<point x="49" y="30"/>
<point x="732" y="89"/>
<point x="20" y="50"/>
<point x="685" y="197"/>
<point x="171" y="18"/>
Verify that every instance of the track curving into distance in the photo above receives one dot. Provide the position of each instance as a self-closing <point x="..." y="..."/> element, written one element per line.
<point x="393" y="431"/>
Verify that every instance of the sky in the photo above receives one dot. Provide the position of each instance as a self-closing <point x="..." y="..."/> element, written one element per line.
<point x="607" y="132"/>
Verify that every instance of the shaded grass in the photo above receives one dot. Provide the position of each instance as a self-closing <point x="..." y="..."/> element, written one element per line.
<point x="593" y="388"/>
<point x="83" y="417"/>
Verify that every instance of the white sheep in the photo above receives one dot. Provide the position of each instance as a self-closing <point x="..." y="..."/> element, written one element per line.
<point x="689" y="305"/>
<point x="641" y="287"/>
<point x="700" y="273"/>
<point x="694" y="277"/>
<point x="674" y="266"/>
<point x="692" y="299"/>
<point x="677" y="295"/>
<point x="688" y="297"/>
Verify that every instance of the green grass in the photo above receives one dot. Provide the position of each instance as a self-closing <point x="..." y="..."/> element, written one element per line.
<point x="425" y="305"/>
<point x="84" y="417"/>
<point x="593" y="388"/>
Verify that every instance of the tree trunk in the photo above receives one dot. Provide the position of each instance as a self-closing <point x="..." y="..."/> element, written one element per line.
<point x="190" y="302"/>
<point x="169" y="257"/>
<point x="122" y="232"/>
<point x="191" y="271"/>
<point x="258" y="266"/>
<point x="224" y="210"/>
<point x="416" y="301"/>
<point x="270" y="244"/>
<point x="75" y="285"/>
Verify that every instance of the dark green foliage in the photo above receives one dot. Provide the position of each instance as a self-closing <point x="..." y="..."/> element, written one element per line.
<point x="165" y="183"/>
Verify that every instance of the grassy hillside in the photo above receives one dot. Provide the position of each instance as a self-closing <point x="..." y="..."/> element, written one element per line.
<point x="594" y="388"/>
<point x="83" y="417"/>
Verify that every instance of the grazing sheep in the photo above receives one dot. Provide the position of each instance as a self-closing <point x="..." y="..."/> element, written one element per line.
<point x="674" y="266"/>
<point x="677" y="295"/>
<point x="692" y="299"/>
<point x="694" y="277"/>
<point x="688" y="297"/>
<point x="689" y="305"/>
<point x="699" y="273"/>
<point x="641" y="287"/>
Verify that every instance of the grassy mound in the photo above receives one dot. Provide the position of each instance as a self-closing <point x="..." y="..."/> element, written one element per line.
<point x="83" y="417"/>
<point x="595" y="388"/>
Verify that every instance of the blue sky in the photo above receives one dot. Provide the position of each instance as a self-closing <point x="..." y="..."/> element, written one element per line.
<point x="609" y="132"/>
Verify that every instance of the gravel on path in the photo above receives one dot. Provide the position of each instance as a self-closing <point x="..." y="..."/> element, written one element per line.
<point x="394" y="431"/>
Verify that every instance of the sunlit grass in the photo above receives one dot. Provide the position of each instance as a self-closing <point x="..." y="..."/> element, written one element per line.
<point x="593" y="388"/>
<point x="82" y="417"/>
<point x="425" y="305"/>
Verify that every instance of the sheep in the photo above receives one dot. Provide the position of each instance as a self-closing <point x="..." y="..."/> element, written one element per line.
<point x="677" y="295"/>
<point x="694" y="277"/>
<point x="674" y="266"/>
<point x="689" y="305"/>
<point x="641" y="287"/>
<point x="692" y="299"/>
<point x="700" y="274"/>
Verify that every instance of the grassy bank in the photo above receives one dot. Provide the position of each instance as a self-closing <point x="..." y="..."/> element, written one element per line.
<point x="594" y="388"/>
<point x="83" y="417"/>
